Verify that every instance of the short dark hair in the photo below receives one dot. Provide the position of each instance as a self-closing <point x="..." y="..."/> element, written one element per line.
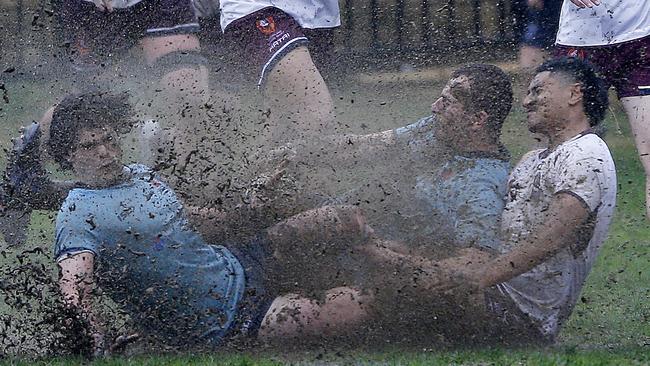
<point x="595" y="99"/>
<point x="490" y="91"/>
<point x="93" y="109"/>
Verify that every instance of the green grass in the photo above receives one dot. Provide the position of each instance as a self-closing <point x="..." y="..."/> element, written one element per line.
<point x="416" y="358"/>
<point x="609" y="326"/>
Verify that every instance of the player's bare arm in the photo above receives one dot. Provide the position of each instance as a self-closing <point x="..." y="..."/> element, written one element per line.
<point x="77" y="283"/>
<point x="564" y="218"/>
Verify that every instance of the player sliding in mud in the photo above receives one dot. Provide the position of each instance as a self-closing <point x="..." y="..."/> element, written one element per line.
<point x="127" y="231"/>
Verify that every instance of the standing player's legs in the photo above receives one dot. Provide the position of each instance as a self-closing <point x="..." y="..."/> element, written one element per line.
<point x="626" y="66"/>
<point x="632" y="83"/>
<point x="638" y="113"/>
<point x="180" y="86"/>
<point x="539" y="35"/>
<point x="299" y="98"/>
<point x="274" y="44"/>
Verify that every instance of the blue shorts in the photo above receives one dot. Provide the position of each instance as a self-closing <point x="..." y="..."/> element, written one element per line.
<point x="257" y="259"/>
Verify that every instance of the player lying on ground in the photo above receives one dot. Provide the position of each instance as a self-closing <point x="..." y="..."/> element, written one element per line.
<point x="127" y="232"/>
<point x="444" y="175"/>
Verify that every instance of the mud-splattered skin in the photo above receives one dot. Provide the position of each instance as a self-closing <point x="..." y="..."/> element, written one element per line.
<point x="544" y="94"/>
<point x="416" y="184"/>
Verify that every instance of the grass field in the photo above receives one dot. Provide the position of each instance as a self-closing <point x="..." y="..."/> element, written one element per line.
<point x="609" y="326"/>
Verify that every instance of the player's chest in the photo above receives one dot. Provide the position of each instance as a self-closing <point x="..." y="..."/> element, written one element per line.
<point x="143" y="207"/>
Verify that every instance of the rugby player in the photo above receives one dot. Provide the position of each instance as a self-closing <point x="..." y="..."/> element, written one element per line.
<point x="523" y="287"/>
<point x="431" y="190"/>
<point x="127" y="231"/>
<point x="100" y="33"/>
<point x="443" y="175"/>
<point x="269" y="37"/>
<point x="614" y="35"/>
<point x="558" y="209"/>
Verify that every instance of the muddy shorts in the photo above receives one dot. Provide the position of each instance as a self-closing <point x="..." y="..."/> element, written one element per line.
<point x="262" y="38"/>
<point x="625" y="66"/>
<point x="95" y="37"/>
<point x="257" y="260"/>
<point x="507" y="323"/>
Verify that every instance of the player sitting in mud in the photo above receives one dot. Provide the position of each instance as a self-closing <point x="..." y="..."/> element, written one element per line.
<point x="126" y="231"/>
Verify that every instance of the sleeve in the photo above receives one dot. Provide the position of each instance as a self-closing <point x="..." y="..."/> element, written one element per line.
<point x="73" y="231"/>
<point x="480" y="208"/>
<point x="581" y="177"/>
<point x="408" y="130"/>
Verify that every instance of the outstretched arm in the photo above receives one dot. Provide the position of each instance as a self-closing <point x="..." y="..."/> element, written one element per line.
<point x="565" y="217"/>
<point x="76" y="283"/>
<point x="477" y="269"/>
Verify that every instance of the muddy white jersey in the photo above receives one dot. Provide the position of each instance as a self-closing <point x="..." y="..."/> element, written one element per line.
<point x="613" y="21"/>
<point x="308" y="13"/>
<point x="582" y="167"/>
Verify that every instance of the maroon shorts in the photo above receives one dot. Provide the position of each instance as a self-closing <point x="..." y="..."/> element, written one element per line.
<point x="96" y="37"/>
<point x="262" y="38"/>
<point x="626" y="66"/>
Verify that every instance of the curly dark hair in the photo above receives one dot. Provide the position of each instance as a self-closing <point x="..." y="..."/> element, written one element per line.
<point x="490" y="91"/>
<point x="595" y="99"/>
<point x="93" y="109"/>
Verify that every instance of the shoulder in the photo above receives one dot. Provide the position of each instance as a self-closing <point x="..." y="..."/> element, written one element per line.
<point x="494" y="171"/>
<point x="590" y="148"/>
<point x="527" y="161"/>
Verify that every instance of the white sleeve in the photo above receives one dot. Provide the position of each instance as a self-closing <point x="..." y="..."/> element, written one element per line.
<point x="583" y="178"/>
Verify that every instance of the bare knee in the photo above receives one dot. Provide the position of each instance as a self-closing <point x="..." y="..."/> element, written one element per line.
<point x="344" y="310"/>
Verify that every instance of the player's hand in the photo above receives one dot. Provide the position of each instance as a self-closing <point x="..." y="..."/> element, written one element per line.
<point x="536" y="4"/>
<point x="585" y="3"/>
<point x="101" y="349"/>
<point x="458" y="282"/>
<point x="262" y="188"/>
<point x="120" y="343"/>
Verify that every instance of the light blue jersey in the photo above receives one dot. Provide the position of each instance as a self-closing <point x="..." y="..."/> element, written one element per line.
<point x="457" y="198"/>
<point x="150" y="261"/>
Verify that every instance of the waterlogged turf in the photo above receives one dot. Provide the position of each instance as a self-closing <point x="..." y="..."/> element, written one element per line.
<point x="554" y="357"/>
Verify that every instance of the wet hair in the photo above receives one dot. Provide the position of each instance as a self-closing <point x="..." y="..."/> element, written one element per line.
<point x="94" y="109"/>
<point x="490" y="90"/>
<point x="595" y="99"/>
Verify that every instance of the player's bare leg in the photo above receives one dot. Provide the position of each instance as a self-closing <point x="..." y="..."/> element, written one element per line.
<point x="638" y="112"/>
<point x="180" y="88"/>
<point x="300" y="102"/>
<point x="531" y="57"/>
<point x="309" y="246"/>
<point x="295" y="318"/>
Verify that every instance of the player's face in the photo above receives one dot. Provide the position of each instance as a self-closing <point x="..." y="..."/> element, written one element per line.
<point x="97" y="158"/>
<point x="545" y="101"/>
<point x="450" y="109"/>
